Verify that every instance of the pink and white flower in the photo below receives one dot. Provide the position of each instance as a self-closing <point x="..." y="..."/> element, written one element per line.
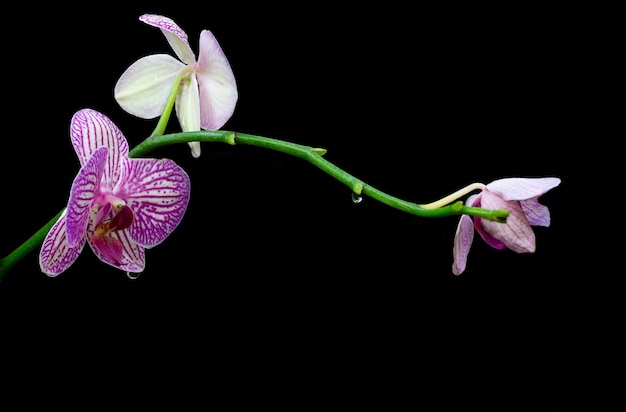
<point x="519" y="196"/>
<point x="207" y="92"/>
<point x="118" y="205"/>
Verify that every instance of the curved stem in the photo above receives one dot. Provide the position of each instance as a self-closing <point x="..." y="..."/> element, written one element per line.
<point x="33" y="242"/>
<point x="314" y="156"/>
<point x="310" y="154"/>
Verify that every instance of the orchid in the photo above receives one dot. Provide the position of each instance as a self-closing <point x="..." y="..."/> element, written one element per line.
<point x="122" y="203"/>
<point x="519" y="196"/>
<point x="206" y="91"/>
<point x="119" y="205"/>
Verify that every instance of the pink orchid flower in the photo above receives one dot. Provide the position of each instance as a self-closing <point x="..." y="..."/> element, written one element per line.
<point x="119" y="205"/>
<point x="519" y="196"/>
<point x="207" y="94"/>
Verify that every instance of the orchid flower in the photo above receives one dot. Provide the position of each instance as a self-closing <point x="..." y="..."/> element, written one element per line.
<point x="519" y="196"/>
<point x="207" y="92"/>
<point x="119" y="205"/>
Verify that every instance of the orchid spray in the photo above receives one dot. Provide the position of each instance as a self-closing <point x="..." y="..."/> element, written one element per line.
<point x="122" y="202"/>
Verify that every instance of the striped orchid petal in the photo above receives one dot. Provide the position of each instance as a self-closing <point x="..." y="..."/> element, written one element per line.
<point x="118" y="250"/>
<point x="56" y="255"/>
<point x="175" y="36"/>
<point x="118" y="205"/>
<point x="82" y="195"/>
<point x="158" y="192"/>
<point x="90" y="130"/>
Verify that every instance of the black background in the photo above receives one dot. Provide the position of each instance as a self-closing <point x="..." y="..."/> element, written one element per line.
<point x="276" y="289"/>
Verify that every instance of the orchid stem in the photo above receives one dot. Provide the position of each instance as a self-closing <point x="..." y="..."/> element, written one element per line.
<point x="33" y="242"/>
<point x="169" y="105"/>
<point x="312" y="155"/>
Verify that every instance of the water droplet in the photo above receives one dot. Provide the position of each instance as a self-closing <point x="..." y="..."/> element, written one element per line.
<point x="356" y="198"/>
<point x="133" y="275"/>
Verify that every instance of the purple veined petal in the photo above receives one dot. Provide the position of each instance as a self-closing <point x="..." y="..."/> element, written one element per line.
<point x="536" y="213"/>
<point x="109" y="249"/>
<point x="144" y="87"/>
<point x="516" y="234"/>
<point x="517" y="188"/>
<point x="218" y="88"/>
<point x="158" y="192"/>
<point x="82" y="195"/>
<point x="462" y="243"/>
<point x="174" y="35"/>
<point x="188" y="110"/>
<point x="90" y="130"/>
<point x="56" y="256"/>
<point x="120" y="251"/>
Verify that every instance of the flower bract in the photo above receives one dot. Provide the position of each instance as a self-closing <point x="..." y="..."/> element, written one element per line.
<point x="519" y="196"/>
<point x="118" y="205"/>
<point x="207" y="91"/>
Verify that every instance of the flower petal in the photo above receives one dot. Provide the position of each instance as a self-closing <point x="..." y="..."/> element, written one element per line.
<point x="56" y="256"/>
<point x="188" y="110"/>
<point x="536" y="213"/>
<point x="218" y="89"/>
<point x="462" y="243"/>
<point x="188" y="105"/>
<point x="90" y="130"/>
<point x="82" y="194"/>
<point x="120" y="251"/>
<point x="518" y="188"/>
<point x="142" y="90"/>
<point x="158" y="192"/>
<point x="175" y="36"/>
<point x="516" y="233"/>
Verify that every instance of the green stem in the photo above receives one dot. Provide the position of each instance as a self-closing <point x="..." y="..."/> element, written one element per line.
<point x="169" y="104"/>
<point x="310" y="154"/>
<point x="33" y="242"/>
<point x="314" y="156"/>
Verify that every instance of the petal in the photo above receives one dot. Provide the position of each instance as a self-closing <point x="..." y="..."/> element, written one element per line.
<point x="489" y="239"/>
<point x="82" y="194"/>
<point x="462" y="243"/>
<point x="142" y="90"/>
<point x="158" y="192"/>
<point x="91" y="130"/>
<point x="120" y="251"/>
<point x="188" y="110"/>
<point x="536" y="213"/>
<point x="122" y="219"/>
<point x="516" y="233"/>
<point x="218" y="89"/>
<point x="522" y="188"/>
<point x="56" y="256"/>
<point x="188" y="105"/>
<point x="175" y="36"/>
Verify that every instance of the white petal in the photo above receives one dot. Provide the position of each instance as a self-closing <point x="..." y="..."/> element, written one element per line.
<point x="218" y="89"/>
<point x="188" y="110"/>
<point x="144" y="87"/>
<point x="518" y="188"/>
